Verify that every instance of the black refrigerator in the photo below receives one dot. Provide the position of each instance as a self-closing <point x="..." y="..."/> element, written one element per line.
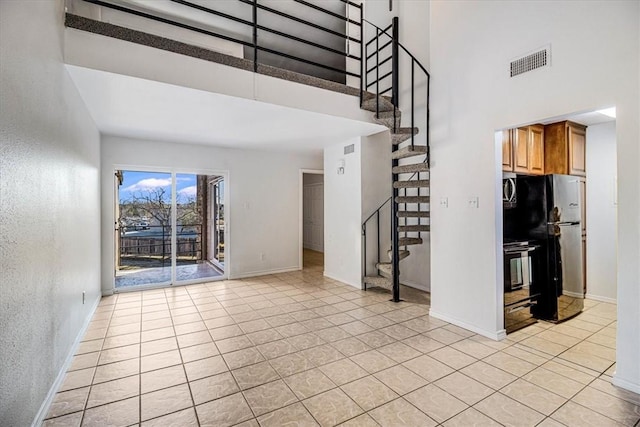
<point x="549" y="211"/>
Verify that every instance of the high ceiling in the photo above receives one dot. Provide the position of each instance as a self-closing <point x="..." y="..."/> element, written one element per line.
<point x="139" y="108"/>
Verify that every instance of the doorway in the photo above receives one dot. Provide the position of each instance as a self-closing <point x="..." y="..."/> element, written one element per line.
<point x="169" y="228"/>
<point x="312" y="246"/>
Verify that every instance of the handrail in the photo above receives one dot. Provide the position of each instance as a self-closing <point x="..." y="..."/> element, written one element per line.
<point x="328" y="12"/>
<point x="399" y="44"/>
<point x="376" y="211"/>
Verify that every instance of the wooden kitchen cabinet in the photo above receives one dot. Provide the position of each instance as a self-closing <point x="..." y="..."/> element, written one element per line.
<point x="507" y="151"/>
<point x="523" y="150"/>
<point x="565" y="148"/>
<point x="536" y="149"/>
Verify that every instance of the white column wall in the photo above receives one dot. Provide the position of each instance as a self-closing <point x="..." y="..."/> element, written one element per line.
<point x="343" y="213"/>
<point x="602" y="212"/>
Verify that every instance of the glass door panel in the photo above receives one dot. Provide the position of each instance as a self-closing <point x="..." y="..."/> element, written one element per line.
<point x="195" y="211"/>
<point x="142" y="228"/>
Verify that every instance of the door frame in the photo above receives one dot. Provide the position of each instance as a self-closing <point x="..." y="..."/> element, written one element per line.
<point x="301" y="212"/>
<point x="173" y="172"/>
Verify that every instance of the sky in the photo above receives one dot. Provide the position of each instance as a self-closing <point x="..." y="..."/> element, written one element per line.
<point x="140" y="182"/>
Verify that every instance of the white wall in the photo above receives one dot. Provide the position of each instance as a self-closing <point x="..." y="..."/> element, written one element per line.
<point x="602" y="261"/>
<point x="263" y="193"/>
<point x="376" y="189"/>
<point x="342" y="214"/>
<point x="594" y="64"/>
<point x="49" y="232"/>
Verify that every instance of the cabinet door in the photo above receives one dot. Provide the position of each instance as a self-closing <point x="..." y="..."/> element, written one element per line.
<point x="507" y="151"/>
<point x="521" y="150"/>
<point x="536" y="150"/>
<point x="577" y="150"/>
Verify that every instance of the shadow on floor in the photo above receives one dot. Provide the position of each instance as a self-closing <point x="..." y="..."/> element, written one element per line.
<point x="313" y="260"/>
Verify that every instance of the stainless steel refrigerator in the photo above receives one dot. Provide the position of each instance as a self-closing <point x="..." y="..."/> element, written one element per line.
<point x="549" y="211"/>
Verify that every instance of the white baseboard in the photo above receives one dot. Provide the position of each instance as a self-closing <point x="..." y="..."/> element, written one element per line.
<point x="627" y="385"/>
<point x="494" y="335"/>
<point x="418" y="286"/>
<point x="263" y="272"/>
<point x="602" y="299"/>
<point x="340" y="279"/>
<point x="44" y="408"/>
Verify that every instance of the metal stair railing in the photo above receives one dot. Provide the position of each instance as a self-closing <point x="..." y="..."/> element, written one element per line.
<point x="381" y="49"/>
<point x="253" y="40"/>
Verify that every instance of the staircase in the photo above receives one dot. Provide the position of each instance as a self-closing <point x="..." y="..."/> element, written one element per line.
<point x="410" y="161"/>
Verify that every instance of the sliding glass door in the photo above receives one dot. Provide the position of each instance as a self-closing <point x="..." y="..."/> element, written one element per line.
<point x="168" y="228"/>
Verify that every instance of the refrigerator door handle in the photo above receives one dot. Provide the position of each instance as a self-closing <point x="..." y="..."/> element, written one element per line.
<point x="564" y="223"/>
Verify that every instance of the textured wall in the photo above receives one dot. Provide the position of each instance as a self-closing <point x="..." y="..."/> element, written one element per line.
<point x="49" y="209"/>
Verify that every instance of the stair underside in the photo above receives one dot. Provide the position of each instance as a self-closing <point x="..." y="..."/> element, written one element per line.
<point x="402" y="134"/>
<point x="402" y="252"/>
<point x="386" y="119"/>
<point x="403" y="153"/>
<point x="406" y="241"/>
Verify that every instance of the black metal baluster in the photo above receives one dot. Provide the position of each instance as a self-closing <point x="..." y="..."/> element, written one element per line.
<point x="255" y="36"/>
<point x="377" y="73"/>
<point x="363" y="61"/>
<point x="394" y="218"/>
<point x="378" y="234"/>
<point x="413" y="67"/>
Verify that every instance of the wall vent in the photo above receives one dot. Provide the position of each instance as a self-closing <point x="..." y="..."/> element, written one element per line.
<point x="538" y="59"/>
<point x="348" y="149"/>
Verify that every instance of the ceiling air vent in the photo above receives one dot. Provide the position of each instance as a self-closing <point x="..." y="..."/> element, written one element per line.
<point x="538" y="59"/>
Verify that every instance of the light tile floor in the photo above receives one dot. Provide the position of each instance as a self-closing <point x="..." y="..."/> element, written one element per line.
<point x="301" y="349"/>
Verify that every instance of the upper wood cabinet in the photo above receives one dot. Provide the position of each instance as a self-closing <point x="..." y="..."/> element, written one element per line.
<point x="536" y="149"/>
<point x="523" y="150"/>
<point x="507" y="151"/>
<point x="565" y="148"/>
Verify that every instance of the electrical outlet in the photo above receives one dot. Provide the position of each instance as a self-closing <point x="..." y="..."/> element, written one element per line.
<point x="474" y="202"/>
<point x="444" y="202"/>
